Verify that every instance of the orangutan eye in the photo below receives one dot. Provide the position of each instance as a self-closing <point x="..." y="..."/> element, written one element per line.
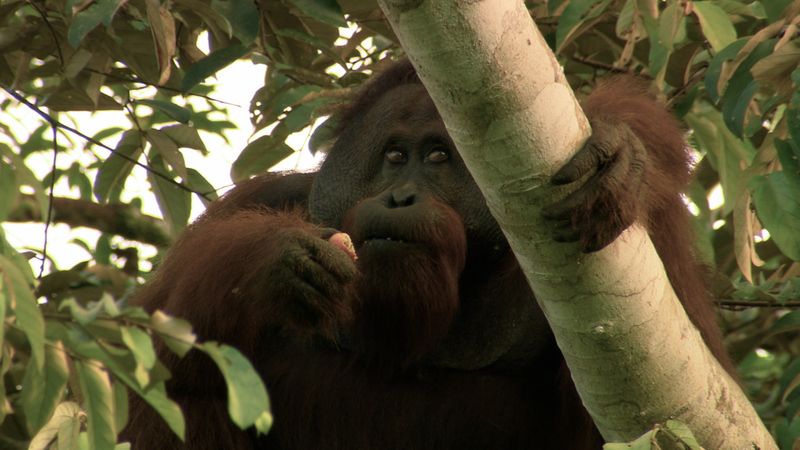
<point x="395" y="154"/>
<point x="438" y="154"/>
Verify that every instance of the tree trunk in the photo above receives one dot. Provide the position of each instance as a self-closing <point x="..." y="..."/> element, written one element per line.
<point x="514" y="119"/>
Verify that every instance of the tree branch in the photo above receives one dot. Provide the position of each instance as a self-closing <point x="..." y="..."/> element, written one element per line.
<point x="117" y="218"/>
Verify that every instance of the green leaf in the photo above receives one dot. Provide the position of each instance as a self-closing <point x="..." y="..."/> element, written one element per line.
<point x="715" y="67"/>
<point x="175" y="203"/>
<point x="243" y="17"/>
<point x="179" y="113"/>
<point x="168" y="150"/>
<point x="644" y="442"/>
<point x="260" y="155"/>
<point x="176" y="333"/>
<point x="18" y="292"/>
<point x="788" y="323"/>
<point x="64" y="427"/>
<point x="115" y="169"/>
<point x="120" y="405"/>
<point x="326" y="11"/>
<point x="199" y="184"/>
<point x="777" y="201"/>
<point x="42" y="389"/>
<point x="99" y="404"/>
<point x="671" y="26"/>
<point x="725" y="151"/>
<point x="101" y="11"/>
<point x="248" y="403"/>
<point x="142" y="348"/>
<point x="185" y="136"/>
<point x="717" y="26"/>
<point x="156" y="397"/>
<point x="322" y="136"/>
<point x="212" y="63"/>
<point x="576" y="14"/>
<point x="8" y="189"/>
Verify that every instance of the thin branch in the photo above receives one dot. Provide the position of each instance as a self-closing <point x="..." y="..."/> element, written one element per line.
<point x="159" y="86"/>
<point x="55" y="122"/>
<point x="51" y="197"/>
<point x="742" y="304"/>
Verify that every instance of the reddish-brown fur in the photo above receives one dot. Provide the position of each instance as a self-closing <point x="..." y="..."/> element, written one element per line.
<point x="327" y="399"/>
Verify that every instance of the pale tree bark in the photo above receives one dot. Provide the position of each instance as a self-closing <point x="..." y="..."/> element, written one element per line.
<point x="634" y="355"/>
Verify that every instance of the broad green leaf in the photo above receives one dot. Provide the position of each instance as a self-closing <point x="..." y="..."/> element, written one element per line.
<point x="260" y="155"/>
<point x="741" y="88"/>
<point x="176" y="333"/>
<point x="734" y="107"/>
<point x="644" y="442"/>
<point x="142" y="348"/>
<point x="156" y="397"/>
<point x="4" y="306"/>
<point x="42" y="389"/>
<point x="120" y="405"/>
<point x="716" y="24"/>
<point x="168" y="150"/>
<point x="63" y="427"/>
<point x="303" y="115"/>
<point x="8" y="189"/>
<point x="325" y="11"/>
<point x="682" y="432"/>
<point x="78" y="179"/>
<point x="243" y="17"/>
<point x="99" y="403"/>
<point x="671" y="26"/>
<point x="725" y="151"/>
<point x="322" y="136"/>
<point x="777" y="201"/>
<point x="775" y="8"/>
<point x="715" y="67"/>
<point x="26" y="177"/>
<point x="115" y="169"/>
<point x="186" y="136"/>
<point x="18" y="292"/>
<point x="175" y="203"/>
<point x="179" y="113"/>
<point x="788" y="323"/>
<point x="248" y="403"/>
<point x="101" y="11"/>
<point x="212" y="63"/>
<point x="576" y="14"/>
<point x="199" y="184"/>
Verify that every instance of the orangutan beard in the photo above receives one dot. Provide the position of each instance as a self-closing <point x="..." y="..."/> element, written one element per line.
<point x="408" y="291"/>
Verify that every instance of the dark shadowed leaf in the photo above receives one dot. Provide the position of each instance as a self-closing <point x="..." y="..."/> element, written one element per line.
<point x="101" y="11"/>
<point x="174" y="202"/>
<point x="115" y="169"/>
<point x="326" y="11"/>
<point x="212" y="63"/>
<point x="777" y="202"/>
<point x="179" y="113"/>
<point x="259" y="156"/>
<point x="242" y="15"/>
